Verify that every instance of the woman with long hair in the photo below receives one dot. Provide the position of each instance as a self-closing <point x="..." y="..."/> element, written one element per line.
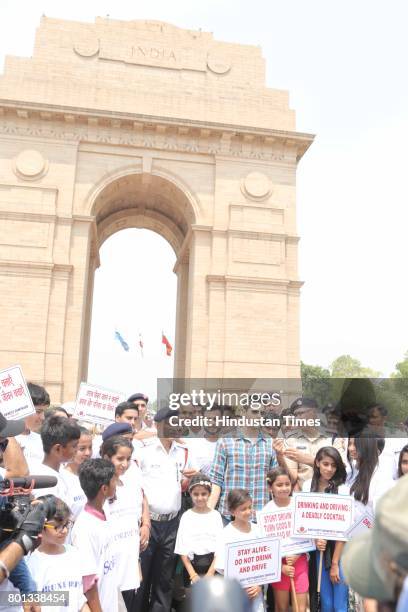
<point x="403" y="462"/>
<point x="329" y="476"/>
<point x="370" y="482"/>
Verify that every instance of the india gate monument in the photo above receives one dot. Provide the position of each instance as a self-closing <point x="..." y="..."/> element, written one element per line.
<point x="141" y="124"/>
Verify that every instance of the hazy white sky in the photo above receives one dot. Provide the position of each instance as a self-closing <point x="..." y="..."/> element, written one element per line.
<point x="344" y="64"/>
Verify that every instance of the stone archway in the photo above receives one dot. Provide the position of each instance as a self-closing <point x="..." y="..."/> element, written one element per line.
<point x="146" y="201"/>
<point x="143" y="124"/>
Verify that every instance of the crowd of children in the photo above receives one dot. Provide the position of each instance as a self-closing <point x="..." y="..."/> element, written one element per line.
<point x="108" y="524"/>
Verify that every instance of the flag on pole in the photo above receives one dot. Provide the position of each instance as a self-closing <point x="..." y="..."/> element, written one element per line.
<point x="167" y="344"/>
<point x="124" y="344"/>
<point x="141" y="344"/>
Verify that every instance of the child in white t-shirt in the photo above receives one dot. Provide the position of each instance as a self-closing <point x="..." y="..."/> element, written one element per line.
<point x="240" y="529"/>
<point x="199" y="531"/>
<point x="294" y="567"/>
<point x="92" y="536"/>
<point x="56" y="566"/>
<point x="123" y="514"/>
<point x="69" y="473"/>
<point x="59" y="437"/>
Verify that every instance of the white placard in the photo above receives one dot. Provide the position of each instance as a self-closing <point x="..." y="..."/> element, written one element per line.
<point x="254" y="562"/>
<point x="97" y="404"/>
<point x="322" y="515"/>
<point x="279" y="524"/>
<point x="364" y="522"/>
<point x="15" y="399"/>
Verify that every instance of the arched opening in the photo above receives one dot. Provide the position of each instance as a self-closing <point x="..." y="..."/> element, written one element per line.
<point x="148" y="202"/>
<point x="134" y="293"/>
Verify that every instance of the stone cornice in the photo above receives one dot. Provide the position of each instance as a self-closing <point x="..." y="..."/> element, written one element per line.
<point x="35" y="269"/>
<point x="155" y="132"/>
<point x="271" y="285"/>
<point x="244" y="233"/>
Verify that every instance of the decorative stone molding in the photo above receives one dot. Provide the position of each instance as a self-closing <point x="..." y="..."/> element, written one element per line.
<point x="34" y="269"/>
<point x="262" y="285"/>
<point x="156" y="133"/>
<point x="218" y="65"/>
<point x="256" y="186"/>
<point x="30" y="165"/>
<point x="87" y="47"/>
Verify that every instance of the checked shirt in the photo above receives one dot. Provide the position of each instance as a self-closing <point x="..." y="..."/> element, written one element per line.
<point x="243" y="463"/>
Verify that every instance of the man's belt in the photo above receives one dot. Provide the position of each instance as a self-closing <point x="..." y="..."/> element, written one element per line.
<point x="163" y="517"/>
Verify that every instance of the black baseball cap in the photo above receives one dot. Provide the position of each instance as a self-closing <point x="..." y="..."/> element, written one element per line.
<point x="9" y="429"/>
<point x="165" y="413"/>
<point x="305" y="402"/>
<point x="138" y="396"/>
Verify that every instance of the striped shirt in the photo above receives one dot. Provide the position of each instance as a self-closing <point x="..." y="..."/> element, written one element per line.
<point x="243" y="463"/>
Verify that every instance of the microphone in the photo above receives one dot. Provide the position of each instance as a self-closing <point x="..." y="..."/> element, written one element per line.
<point x="40" y="482"/>
<point x="218" y="594"/>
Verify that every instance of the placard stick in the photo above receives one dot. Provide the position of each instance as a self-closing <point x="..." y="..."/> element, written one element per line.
<point x="319" y="580"/>
<point x="295" y="606"/>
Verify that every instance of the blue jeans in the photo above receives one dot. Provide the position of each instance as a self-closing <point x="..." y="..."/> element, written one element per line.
<point x="334" y="597"/>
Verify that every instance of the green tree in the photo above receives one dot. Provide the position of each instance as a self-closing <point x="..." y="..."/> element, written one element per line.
<point x="394" y="392"/>
<point x="316" y="383"/>
<point x="401" y="368"/>
<point x="346" y="366"/>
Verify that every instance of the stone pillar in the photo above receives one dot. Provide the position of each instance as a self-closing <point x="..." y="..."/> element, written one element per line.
<point x="182" y="317"/>
<point x="197" y="331"/>
<point x="76" y="332"/>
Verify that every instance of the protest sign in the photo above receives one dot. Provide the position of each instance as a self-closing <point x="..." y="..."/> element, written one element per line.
<point x="96" y="404"/>
<point x="319" y="515"/>
<point x="15" y="399"/>
<point x="279" y="524"/>
<point x="364" y="521"/>
<point x="254" y="562"/>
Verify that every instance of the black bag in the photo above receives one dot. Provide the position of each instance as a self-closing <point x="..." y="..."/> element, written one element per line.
<point x="201" y="565"/>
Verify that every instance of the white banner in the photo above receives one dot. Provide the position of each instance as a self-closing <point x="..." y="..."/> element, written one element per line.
<point x="322" y="515"/>
<point x="365" y="521"/>
<point x="254" y="562"/>
<point x="97" y="404"/>
<point x="279" y="524"/>
<point x="15" y="399"/>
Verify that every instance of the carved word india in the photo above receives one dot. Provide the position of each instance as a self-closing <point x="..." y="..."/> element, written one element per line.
<point x="153" y="53"/>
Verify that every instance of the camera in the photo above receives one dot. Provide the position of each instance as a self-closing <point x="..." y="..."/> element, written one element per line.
<point x="16" y="498"/>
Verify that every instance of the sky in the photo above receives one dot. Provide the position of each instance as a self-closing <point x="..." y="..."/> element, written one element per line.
<point x="344" y="64"/>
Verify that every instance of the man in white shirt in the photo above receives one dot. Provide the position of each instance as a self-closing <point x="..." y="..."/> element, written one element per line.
<point x="301" y="446"/>
<point x="29" y="439"/>
<point x="141" y="431"/>
<point x="165" y="467"/>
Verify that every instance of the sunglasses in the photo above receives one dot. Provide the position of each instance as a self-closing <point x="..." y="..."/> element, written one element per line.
<point x="59" y="528"/>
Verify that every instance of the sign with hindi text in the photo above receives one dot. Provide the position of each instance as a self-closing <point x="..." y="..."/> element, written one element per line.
<point x="97" y="404"/>
<point x="279" y="524"/>
<point x="322" y="515"/>
<point x="254" y="562"/>
<point x="15" y="399"/>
